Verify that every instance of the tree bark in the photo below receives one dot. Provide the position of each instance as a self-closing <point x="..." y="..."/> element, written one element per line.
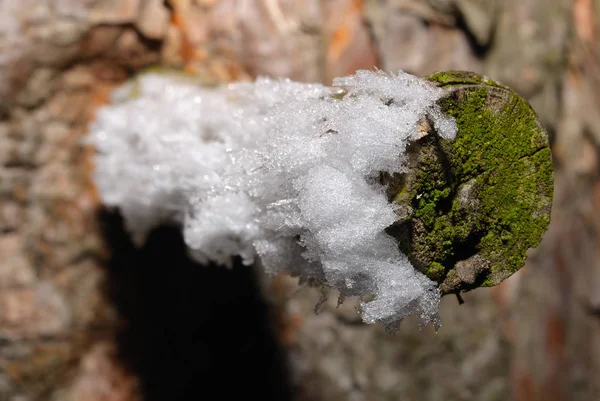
<point x="532" y="338"/>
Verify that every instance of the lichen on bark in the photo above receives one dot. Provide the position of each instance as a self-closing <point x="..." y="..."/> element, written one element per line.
<point x="471" y="207"/>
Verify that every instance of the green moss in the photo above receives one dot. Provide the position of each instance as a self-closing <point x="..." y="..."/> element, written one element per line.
<point x="507" y="153"/>
<point x="339" y="95"/>
<point x="488" y="192"/>
<point x="453" y="78"/>
<point x="436" y="271"/>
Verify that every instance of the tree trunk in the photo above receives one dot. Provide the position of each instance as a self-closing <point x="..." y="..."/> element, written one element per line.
<point x="66" y="307"/>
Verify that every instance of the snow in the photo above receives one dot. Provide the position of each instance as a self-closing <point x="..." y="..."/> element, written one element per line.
<point x="281" y="173"/>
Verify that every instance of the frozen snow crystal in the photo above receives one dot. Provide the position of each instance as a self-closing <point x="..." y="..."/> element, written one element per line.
<point x="280" y="173"/>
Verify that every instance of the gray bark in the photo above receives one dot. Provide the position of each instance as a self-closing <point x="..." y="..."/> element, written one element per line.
<point x="532" y="338"/>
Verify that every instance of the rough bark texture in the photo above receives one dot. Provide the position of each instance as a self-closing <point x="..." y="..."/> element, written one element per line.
<point x="535" y="337"/>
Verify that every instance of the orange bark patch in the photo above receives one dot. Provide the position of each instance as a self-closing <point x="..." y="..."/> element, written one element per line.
<point x="350" y="46"/>
<point x="555" y="335"/>
<point x="288" y="323"/>
<point x="525" y="389"/>
<point x="288" y="327"/>
<point x="187" y="49"/>
<point x="584" y="16"/>
<point x="340" y="40"/>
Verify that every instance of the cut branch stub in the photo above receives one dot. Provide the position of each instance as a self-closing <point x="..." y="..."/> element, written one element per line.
<point x="470" y="208"/>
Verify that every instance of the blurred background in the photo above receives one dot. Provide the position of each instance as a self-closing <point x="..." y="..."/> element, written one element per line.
<point x="85" y="316"/>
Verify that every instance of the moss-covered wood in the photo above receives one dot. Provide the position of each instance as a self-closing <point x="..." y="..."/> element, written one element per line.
<point x="470" y="208"/>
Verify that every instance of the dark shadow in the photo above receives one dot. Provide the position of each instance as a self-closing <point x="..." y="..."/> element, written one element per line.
<point x="191" y="332"/>
<point x="480" y="50"/>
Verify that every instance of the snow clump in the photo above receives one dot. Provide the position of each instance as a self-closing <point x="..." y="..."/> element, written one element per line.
<point x="281" y="173"/>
